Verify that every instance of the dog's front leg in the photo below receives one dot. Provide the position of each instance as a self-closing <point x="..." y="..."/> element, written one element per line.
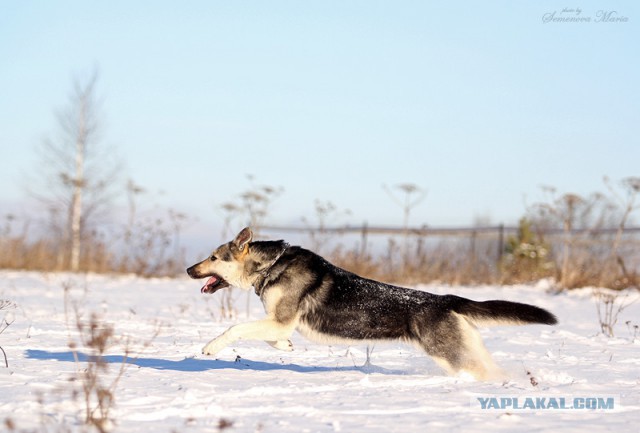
<point x="269" y="330"/>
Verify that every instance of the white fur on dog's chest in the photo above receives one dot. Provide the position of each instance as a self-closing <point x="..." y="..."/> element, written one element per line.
<point x="270" y="299"/>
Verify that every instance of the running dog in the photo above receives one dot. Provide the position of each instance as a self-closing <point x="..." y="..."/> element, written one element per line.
<point x="302" y="291"/>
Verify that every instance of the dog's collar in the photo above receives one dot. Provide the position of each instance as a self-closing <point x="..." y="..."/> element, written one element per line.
<point x="265" y="273"/>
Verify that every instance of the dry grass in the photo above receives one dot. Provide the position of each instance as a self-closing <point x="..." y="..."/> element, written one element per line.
<point x="149" y="248"/>
<point x="449" y="264"/>
<point x="474" y="261"/>
<point x="583" y="260"/>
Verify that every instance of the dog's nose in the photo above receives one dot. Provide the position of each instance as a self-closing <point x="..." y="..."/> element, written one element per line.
<point x="190" y="272"/>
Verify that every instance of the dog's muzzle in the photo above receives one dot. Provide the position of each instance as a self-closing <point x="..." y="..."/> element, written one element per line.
<point x="213" y="284"/>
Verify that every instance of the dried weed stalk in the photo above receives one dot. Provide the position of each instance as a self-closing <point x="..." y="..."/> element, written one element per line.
<point x="97" y="389"/>
<point x="5" y="304"/>
<point x="609" y="306"/>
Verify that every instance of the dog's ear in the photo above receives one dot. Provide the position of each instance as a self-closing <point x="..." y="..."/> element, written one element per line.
<point x="243" y="238"/>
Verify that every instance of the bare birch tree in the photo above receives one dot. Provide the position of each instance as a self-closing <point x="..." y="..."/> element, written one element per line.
<point x="78" y="170"/>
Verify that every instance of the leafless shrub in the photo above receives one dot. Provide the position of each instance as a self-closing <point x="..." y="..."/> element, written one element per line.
<point x="227" y="304"/>
<point x="222" y="306"/>
<point x="627" y="205"/>
<point x="589" y="250"/>
<point x="250" y="206"/>
<point x="99" y="397"/>
<point x="571" y="212"/>
<point x="609" y="306"/>
<point x="325" y="211"/>
<point x="94" y="337"/>
<point x="152" y="246"/>
<point x="150" y="240"/>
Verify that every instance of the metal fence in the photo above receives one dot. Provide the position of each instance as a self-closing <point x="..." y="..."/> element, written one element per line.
<point x="366" y="235"/>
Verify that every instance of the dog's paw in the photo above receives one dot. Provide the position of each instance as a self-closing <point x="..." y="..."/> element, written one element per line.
<point x="285" y="345"/>
<point x="211" y="348"/>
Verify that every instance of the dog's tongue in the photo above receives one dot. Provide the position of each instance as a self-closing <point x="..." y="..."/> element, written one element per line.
<point x="210" y="282"/>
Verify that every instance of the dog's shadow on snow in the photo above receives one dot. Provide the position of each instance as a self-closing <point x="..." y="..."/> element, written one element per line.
<point x="197" y="365"/>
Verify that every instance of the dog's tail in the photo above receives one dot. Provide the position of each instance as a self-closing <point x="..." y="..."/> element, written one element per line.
<point x="491" y="313"/>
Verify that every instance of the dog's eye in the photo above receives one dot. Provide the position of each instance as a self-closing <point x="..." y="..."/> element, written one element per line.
<point x="213" y="258"/>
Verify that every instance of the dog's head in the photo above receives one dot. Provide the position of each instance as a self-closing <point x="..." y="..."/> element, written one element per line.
<point x="226" y="265"/>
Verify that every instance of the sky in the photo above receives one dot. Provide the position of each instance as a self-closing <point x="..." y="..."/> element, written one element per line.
<point x="478" y="103"/>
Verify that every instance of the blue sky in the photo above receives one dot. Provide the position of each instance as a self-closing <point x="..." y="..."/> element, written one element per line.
<point x="480" y="103"/>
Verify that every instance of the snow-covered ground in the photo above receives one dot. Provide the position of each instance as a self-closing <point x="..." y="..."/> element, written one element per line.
<point x="168" y="385"/>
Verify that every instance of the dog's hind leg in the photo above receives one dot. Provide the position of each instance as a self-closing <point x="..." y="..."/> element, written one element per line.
<point x="477" y="359"/>
<point x="455" y="345"/>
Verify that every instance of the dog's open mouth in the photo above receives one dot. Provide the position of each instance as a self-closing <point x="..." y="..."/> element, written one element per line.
<point x="214" y="283"/>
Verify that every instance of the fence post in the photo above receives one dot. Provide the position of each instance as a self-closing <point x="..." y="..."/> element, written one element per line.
<point x="363" y="242"/>
<point x="500" y="242"/>
<point x="474" y="235"/>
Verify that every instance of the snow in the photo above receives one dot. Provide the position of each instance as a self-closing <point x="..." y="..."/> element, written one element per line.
<point x="167" y="385"/>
